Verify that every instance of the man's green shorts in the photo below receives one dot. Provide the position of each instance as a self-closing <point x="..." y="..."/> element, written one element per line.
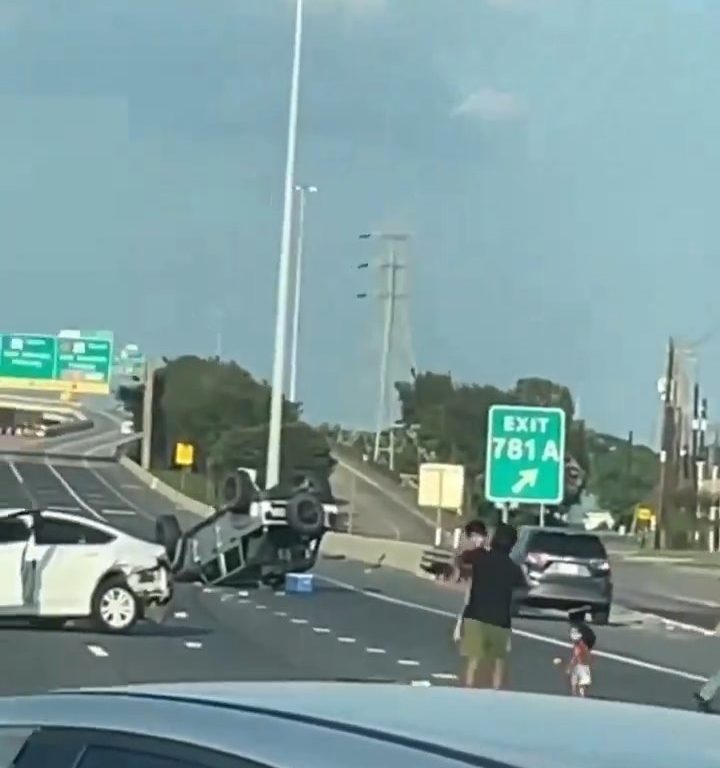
<point x="484" y="642"/>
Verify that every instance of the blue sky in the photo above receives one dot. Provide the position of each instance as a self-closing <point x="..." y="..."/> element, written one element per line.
<point x="557" y="162"/>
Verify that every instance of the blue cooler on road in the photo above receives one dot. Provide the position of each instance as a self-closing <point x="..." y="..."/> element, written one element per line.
<point x="299" y="583"/>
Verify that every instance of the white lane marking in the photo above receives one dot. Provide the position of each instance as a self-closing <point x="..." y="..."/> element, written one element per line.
<point x="120" y="495"/>
<point x="346" y="640"/>
<point x="375" y="650"/>
<point x="60" y="508"/>
<point x="126" y="512"/>
<point x="16" y="472"/>
<point x="261" y="607"/>
<point x="629" y="660"/>
<point x="98" y="650"/>
<point x="321" y="630"/>
<point x="280" y="613"/>
<point x="193" y="644"/>
<point x="408" y="662"/>
<point x="243" y="600"/>
<point x="387" y="494"/>
<point x="298" y="621"/>
<point x="672" y="624"/>
<point x="444" y="676"/>
<point x="208" y="590"/>
<point x="420" y="683"/>
<point x="280" y="593"/>
<point x="225" y="598"/>
<point x="243" y="594"/>
<point x="180" y="615"/>
<point x="72" y="492"/>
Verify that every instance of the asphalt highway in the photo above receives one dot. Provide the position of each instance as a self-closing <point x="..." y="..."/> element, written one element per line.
<point x="360" y="624"/>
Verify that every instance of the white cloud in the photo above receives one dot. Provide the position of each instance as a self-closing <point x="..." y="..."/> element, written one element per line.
<point x="490" y="105"/>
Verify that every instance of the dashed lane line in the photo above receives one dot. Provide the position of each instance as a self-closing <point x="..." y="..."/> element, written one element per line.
<point x="98" y="650"/>
<point x="72" y="492"/>
<point x="119" y="494"/>
<point x="180" y="615"/>
<point x="629" y="660"/>
<point x="345" y="639"/>
<point x="193" y="644"/>
<point x="16" y="472"/>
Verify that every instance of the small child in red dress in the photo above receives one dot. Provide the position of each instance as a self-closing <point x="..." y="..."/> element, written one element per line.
<point x="583" y="642"/>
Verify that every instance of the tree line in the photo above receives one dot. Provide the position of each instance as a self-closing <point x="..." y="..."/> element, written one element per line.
<point x="223" y="410"/>
<point x="445" y="421"/>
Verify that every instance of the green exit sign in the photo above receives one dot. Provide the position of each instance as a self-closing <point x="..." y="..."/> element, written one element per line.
<point x="52" y="363"/>
<point x="525" y="455"/>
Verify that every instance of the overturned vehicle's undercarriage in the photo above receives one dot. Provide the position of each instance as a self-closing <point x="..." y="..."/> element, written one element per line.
<point x="254" y="536"/>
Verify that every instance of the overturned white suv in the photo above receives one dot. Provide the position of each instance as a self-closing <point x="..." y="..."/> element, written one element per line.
<point x="255" y="536"/>
<point x="56" y="566"/>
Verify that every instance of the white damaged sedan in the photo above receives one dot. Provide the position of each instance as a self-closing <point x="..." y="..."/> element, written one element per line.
<point x="56" y="566"/>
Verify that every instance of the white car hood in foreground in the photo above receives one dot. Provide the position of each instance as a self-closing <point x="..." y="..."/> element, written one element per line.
<point x="524" y="730"/>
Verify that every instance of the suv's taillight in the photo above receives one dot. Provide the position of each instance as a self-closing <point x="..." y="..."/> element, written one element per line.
<point x="601" y="565"/>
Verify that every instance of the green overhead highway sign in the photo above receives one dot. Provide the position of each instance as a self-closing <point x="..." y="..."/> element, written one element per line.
<point x="525" y="455"/>
<point x="51" y="363"/>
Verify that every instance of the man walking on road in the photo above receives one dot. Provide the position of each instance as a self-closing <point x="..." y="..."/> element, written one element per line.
<point x="485" y="640"/>
<point x="475" y="536"/>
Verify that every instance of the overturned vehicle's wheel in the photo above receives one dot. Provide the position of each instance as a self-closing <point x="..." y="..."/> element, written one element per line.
<point x="237" y="492"/>
<point x="305" y="515"/>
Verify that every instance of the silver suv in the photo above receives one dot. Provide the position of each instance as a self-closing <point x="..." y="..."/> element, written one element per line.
<point x="565" y="569"/>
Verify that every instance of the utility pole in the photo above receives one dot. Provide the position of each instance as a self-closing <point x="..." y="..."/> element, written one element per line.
<point x="392" y="264"/>
<point x="384" y="393"/>
<point x="147" y="415"/>
<point x="667" y="443"/>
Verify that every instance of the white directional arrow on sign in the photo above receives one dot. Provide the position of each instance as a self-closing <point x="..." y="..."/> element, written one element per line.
<point x="528" y="478"/>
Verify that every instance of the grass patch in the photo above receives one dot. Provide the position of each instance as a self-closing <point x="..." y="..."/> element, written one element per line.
<point x="192" y="484"/>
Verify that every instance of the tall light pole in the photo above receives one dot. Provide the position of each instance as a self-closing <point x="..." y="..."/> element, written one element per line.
<point x="302" y="191"/>
<point x="272" y="472"/>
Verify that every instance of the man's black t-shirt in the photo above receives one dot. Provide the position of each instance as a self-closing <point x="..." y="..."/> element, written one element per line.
<point x="494" y="579"/>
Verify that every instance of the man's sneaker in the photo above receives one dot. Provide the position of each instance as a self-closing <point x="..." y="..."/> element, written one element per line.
<point x="702" y="704"/>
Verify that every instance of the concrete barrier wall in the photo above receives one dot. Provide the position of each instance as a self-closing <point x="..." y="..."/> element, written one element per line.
<point x="403" y="555"/>
<point x="170" y="493"/>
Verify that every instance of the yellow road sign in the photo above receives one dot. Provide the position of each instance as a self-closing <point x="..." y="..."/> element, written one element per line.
<point x="184" y="454"/>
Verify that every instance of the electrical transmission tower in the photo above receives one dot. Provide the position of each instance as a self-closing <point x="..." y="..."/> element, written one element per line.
<point x="396" y="360"/>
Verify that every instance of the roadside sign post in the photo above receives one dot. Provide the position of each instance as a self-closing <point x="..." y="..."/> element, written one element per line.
<point x="525" y="456"/>
<point x="441" y="486"/>
<point x="184" y="458"/>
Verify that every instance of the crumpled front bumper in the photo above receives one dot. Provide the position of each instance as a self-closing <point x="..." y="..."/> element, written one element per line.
<point x="152" y="586"/>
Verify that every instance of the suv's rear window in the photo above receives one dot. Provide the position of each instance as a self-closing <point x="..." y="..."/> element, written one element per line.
<point x="575" y="545"/>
